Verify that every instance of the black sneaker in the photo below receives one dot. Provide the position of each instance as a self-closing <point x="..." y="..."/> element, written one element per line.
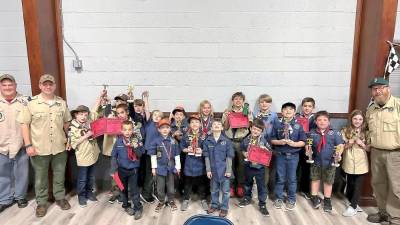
<point x="306" y="195"/>
<point x="138" y="214"/>
<point x="264" y="210"/>
<point x="130" y="211"/>
<point x="127" y="205"/>
<point x="327" y="205"/>
<point x="150" y="199"/>
<point x="316" y="202"/>
<point x="92" y="197"/>
<point x="22" y="203"/>
<point x="244" y="202"/>
<point x="113" y="199"/>
<point x="378" y="217"/>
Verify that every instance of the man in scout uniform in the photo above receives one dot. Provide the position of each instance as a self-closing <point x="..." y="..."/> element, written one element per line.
<point x="14" y="162"/>
<point x="383" y="117"/>
<point x="44" y="123"/>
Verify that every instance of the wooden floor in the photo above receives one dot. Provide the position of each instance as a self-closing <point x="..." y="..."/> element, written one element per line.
<point x="104" y="213"/>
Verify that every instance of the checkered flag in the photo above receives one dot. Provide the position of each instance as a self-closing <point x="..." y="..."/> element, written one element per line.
<point x="392" y="63"/>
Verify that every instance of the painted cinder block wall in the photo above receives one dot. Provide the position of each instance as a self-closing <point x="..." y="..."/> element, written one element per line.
<point x="184" y="51"/>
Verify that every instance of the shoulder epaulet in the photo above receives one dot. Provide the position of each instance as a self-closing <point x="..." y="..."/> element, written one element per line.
<point x="33" y="98"/>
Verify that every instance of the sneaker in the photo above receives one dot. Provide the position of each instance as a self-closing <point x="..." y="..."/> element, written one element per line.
<point x="327" y="205"/>
<point x="232" y="192"/>
<point x="22" y="203"/>
<point x="223" y="213"/>
<point x="82" y="202"/>
<point x="185" y="205"/>
<point x="306" y="195"/>
<point x="64" y="204"/>
<point x="211" y="210"/>
<point x="127" y="205"/>
<point x="113" y="199"/>
<point x="244" y="202"/>
<point x="278" y="204"/>
<point x="204" y="204"/>
<point x="264" y="211"/>
<point x="119" y="199"/>
<point x="138" y="214"/>
<point x="130" y="211"/>
<point x="349" y="212"/>
<point x="359" y="209"/>
<point x="150" y="199"/>
<point x="172" y="205"/>
<point x="92" y="197"/>
<point x="378" y="217"/>
<point x="290" y="205"/>
<point x="3" y="207"/>
<point x="316" y="202"/>
<point x="159" y="206"/>
<point x="41" y="210"/>
<point x="240" y="191"/>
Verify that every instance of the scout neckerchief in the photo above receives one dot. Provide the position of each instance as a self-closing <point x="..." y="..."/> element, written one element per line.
<point x="168" y="152"/>
<point x="322" y="139"/>
<point x="263" y="114"/>
<point x="304" y="122"/>
<point x="129" y="148"/>
<point x="205" y="123"/>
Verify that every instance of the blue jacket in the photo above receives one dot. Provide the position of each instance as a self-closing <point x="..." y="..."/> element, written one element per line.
<point x="218" y="152"/>
<point x="194" y="165"/>
<point x="151" y="134"/>
<point x="245" y="144"/>
<point x="268" y="120"/>
<point x="296" y="134"/>
<point x="325" y="157"/>
<point x="162" y="148"/>
<point x="119" y="155"/>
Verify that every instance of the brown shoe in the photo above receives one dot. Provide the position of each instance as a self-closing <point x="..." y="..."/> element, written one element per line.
<point x="172" y="205"/>
<point x="64" y="204"/>
<point x="41" y="210"/>
<point x="211" y="210"/>
<point x="223" y="213"/>
<point x="159" y="206"/>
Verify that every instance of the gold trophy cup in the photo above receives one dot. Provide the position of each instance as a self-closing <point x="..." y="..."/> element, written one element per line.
<point x="336" y="157"/>
<point x="130" y="93"/>
<point x="309" y="150"/>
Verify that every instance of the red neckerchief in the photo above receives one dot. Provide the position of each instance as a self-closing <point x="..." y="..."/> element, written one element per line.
<point x="322" y="140"/>
<point x="304" y="122"/>
<point x="205" y="124"/>
<point x="129" y="148"/>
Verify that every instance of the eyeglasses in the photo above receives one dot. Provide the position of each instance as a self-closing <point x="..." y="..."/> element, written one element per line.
<point x="379" y="88"/>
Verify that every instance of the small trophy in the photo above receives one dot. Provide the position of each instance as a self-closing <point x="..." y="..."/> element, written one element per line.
<point x="309" y="150"/>
<point x="286" y="132"/>
<point x="336" y="157"/>
<point x="104" y="97"/>
<point x="130" y="93"/>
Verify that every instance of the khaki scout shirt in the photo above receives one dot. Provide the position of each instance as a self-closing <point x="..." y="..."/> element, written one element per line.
<point x="87" y="152"/>
<point x="355" y="159"/>
<point x="384" y="124"/>
<point x="240" y="132"/>
<point x="46" y="124"/>
<point x="11" y="140"/>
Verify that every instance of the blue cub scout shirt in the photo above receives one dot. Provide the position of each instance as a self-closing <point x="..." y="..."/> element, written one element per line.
<point x="151" y="134"/>
<point x="296" y="133"/>
<point x="165" y="149"/>
<point x="325" y="157"/>
<point x="120" y="153"/>
<point x="218" y="152"/>
<point x="194" y="165"/>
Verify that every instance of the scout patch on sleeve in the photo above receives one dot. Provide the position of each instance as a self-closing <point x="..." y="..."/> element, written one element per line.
<point x="2" y="116"/>
<point x="223" y="142"/>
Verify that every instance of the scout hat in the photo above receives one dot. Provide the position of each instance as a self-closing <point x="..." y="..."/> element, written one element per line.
<point x="7" y="76"/>
<point x="193" y="117"/>
<point x="164" y="121"/>
<point x="122" y="97"/>
<point x="378" y="81"/>
<point x="80" y="108"/>
<point x="46" y="77"/>
<point x="178" y="109"/>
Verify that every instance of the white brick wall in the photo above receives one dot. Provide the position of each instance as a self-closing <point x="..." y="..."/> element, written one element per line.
<point x="184" y="51"/>
<point x="13" y="55"/>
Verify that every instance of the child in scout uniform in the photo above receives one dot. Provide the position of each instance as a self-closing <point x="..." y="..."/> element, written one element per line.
<point x="151" y="134"/>
<point x="306" y="119"/>
<point x="355" y="159"/>
<point x="206" y="116"/>
<point x="218" y="153"/>
<point x="139" y="111"/>
<point x="125" y="160"/>
<point x="44" y="122"/>
<point x="236" y="135"/>
<point x="264" y="112"/>
<point x="254" y="170"/>
<point x="288" y="138"/>
<point x="327" y="145"/>
<point x="165" y="163"/>
<point x="194" y="169"/>
<point x="86" y="151"/>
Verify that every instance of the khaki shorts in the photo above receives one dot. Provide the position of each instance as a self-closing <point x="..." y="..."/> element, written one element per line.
<point x="327" y="175"/>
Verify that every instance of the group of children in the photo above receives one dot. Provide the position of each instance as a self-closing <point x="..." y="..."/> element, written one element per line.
<point x="202" y="152"/>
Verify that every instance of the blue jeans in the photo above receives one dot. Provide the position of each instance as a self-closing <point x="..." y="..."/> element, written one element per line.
<point x="259" y="175"/>
<point x="216" y="187"/>
<point x="13" y="173"/>
<point x="85" y="181"/>
<point x="286" y="166"/>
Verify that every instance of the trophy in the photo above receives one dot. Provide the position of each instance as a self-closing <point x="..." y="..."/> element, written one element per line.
<point x="86" y="128"/>
<point x="193" y="146"/>
<point x="309" y="150"/>
<point x="130" y="93"/>
<point x="104" y="96"/>
<point x="336" y="157"/>
<point x="286" y="131"/>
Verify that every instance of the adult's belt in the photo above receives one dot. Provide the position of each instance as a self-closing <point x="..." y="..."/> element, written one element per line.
<point x="237" y="139"/>
<point x="387" y="150"/>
